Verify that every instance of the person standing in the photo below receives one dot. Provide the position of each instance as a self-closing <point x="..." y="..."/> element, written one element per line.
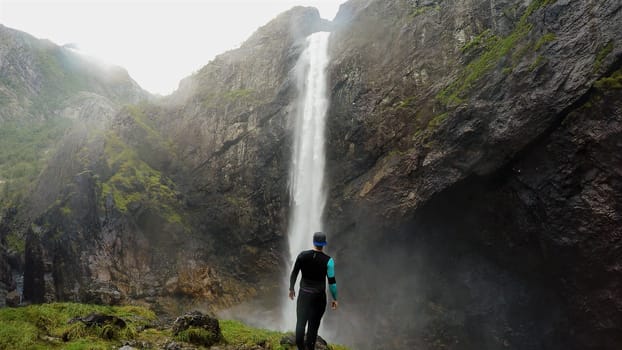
<point x="316" y="267"/>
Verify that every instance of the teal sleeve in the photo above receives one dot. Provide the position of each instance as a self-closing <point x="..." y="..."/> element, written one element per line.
<point x="332" y="282"/>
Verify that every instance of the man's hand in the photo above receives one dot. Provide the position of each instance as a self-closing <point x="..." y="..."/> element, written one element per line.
<point x="334" y="305"/>
<point x="292" y="294"/>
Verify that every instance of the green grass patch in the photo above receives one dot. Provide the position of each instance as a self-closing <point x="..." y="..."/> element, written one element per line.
<point x="46" y="326"/>
<point x="197" y="336"/>
<point x="239" y="334"/>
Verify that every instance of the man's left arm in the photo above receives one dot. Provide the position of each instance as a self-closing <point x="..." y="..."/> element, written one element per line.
<point x="332" y="282"/>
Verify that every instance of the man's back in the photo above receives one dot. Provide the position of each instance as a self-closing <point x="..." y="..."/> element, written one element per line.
<point x="314" y="267"/>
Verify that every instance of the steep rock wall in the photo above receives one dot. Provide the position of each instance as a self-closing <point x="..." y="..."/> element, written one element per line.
<point x="433" y="122"/>
<point x="180" y="200"/>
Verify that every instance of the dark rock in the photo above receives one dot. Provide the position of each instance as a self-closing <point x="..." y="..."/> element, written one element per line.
<point x="197" y="320"/>
<point x="95" y="319"/>
<point x="290" y="340"/>
<point x="481" y="190"/>
<point x="13" y="298"/>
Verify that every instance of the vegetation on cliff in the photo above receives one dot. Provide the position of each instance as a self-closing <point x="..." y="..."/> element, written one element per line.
<point x="23" y="153"/>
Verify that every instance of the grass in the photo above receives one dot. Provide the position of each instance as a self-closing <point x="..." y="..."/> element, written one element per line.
<point x="45" y="326"/>
<point x="239" y="334"/>
<point x="199" y="336"/>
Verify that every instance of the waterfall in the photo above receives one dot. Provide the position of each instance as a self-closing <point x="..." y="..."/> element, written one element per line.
<point x="307" y="192"/>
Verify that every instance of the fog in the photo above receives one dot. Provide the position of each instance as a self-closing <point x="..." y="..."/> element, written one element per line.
<point x="159" y="43"/>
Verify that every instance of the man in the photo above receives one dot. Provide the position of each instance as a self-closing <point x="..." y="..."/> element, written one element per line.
<point x="316" y="267"/>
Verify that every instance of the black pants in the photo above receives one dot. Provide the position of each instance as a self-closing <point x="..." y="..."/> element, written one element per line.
<point x="310" y="308"/>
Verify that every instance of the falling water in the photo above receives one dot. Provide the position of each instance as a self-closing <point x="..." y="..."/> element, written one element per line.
<point x="307" y="190"/>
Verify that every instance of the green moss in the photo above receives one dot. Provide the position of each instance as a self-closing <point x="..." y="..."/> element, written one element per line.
<point x="235" y="98"/>
<point x="44" y="326"/>
<point x="15" y="242"/>
<point x="237" y="333"/>
<point x="24" y="150"/>
<point x="437" y="120"/>
<point x="66" y="211"/>
<point x="613" y="82"/>
<point x="134" y="181"/>
<point x="489" y="59"/>
<point x="87" y="344"/>
<point x="16" y="334"/>
<point x="601" y="55"/>
<point x="537" y="63"/>
<point x="484" y="39"/>
<point x="198" y="336"/>
<point x="406" y="103"/>
<point x="546" y="38"/>
<point x="238" y="94"/>
<point x="417" y="11"/>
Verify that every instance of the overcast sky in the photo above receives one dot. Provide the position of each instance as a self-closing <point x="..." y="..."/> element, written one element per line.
<point x="158" y="42"/>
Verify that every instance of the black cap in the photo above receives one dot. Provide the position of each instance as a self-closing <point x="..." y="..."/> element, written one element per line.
<point x="319" y="239"/>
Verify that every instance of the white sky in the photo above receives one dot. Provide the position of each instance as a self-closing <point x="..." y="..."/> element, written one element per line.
<point x="158" y="42"/>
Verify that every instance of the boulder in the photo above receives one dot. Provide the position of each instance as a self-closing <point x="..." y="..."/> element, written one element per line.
<point x="197" y="328"/>
<point x="290" y="339"/>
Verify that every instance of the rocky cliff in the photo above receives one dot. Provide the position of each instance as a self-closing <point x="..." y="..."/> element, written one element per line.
<point x="44" y="90"/>
<point x="177" y="201"/>
<point x="475" y="172"/>
<point x="474" y="179"/>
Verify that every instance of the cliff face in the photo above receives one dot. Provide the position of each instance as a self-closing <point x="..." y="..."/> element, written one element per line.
<point x="45" y="91"/>
<point x="473" y="148"/>
<point x="179" y="200"/>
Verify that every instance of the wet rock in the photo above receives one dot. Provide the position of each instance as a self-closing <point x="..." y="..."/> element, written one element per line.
<point x="290" y="340"/>
<point x="197" y="328"/>
<point x="13" y="298"/>
<point x="95" y="319"/>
